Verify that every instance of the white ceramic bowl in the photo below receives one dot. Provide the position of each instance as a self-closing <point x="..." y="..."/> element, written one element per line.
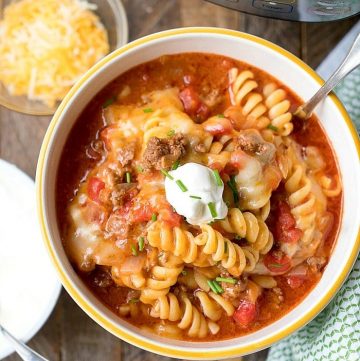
<point x="289" y="70"/>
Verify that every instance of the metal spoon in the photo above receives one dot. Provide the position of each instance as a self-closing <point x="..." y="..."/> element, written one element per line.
<point x="351" y="61"/>
<point x="25" y="352"/>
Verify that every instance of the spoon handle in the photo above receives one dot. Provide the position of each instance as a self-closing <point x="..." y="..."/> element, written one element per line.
<point x="25" y="352"/>
<point x="351" y="61"/>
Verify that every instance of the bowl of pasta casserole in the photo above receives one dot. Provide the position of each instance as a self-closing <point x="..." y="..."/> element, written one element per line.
<point x="186" y="209"/>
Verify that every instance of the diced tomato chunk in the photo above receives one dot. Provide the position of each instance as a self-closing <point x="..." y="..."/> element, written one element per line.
<point x="237" y="159"/>
<point x="170" y="217"/>
<point x="285" y="230"/>
<point x="202" y="112"/>
<point x="285" y="216"/>
<point x="295" y="281"/>
<point x="245" y="313"/>
<point x="216" y="165"/>
<point x="142" y="213"/>
<point x="95" y="185"/>
<point x="277" y="262"/>
<point x="190" y="99"/>
<point x="218" y="126"/>
<point x="193" y="104"/>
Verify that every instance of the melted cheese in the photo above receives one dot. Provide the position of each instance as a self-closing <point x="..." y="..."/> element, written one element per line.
<point x="46" y="45"/>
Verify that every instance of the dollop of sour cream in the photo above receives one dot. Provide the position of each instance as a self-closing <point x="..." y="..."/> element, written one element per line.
<point x="196" y="192"/>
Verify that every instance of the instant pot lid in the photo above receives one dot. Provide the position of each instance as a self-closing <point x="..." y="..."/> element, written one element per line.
<point x="295" y="10"/>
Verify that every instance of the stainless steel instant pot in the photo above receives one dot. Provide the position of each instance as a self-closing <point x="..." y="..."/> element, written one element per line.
<point x="296" y="10"/>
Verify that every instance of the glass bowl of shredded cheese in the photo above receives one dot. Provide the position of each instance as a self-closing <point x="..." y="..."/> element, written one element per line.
<point x="47" y="45"/>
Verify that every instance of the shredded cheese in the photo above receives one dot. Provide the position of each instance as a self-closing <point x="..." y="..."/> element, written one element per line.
<point x="46" y="45"/>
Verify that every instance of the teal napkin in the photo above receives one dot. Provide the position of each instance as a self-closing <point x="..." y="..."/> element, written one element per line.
<point x="334" y="335"/>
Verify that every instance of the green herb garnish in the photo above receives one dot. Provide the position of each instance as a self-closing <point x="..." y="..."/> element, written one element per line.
<point x="212" y="209"/>
<point x="128" y="177"/>
<point x="232" y="185"/>
<point x="195" y="197"/>
<point x="215" y="287"/>
<point x="237" y="237"/>
<point x="219" y="181"/>
<point x="134" y="300"/>
<point x="141" y="243"/>
<point x="140" y="168"/>
<point x="153" y="217"/>
<point x="184" y="272"/>
<point x="275" y="265"/>
<point x="166" y="174"/>
<point x="134" y="250"/>
<point x="221" y="116"/>
<point x="171" y="133"/>
<point x="212" y="287"/>
<point x="226" y="280"/>
<point x="181" y="185"/>
<point x="272" y="127"/>
<point x="147" y="110"/>
<point x="175" y="165"/>
<point x="108" y="102"/>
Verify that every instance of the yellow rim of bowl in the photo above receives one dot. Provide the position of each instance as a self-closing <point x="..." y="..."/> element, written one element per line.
<point x="123" y="334"/>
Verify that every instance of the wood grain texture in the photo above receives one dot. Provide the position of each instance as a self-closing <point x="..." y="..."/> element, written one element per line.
<point x="69" y="334"/>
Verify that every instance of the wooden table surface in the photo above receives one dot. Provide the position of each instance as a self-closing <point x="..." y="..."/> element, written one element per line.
<point x="69" y="334"/>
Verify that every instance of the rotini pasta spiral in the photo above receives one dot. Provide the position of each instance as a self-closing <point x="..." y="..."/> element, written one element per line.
<point x="220" y="149"/>
<point x="231" y="255"/>
<point x="169" y="308"/>
<point x="213" y="305"/>
<point x="242" y="94"/>
<point x="155" y="126"/>
<point x="278" y="105"/>
<point x="176" y="240"/>
<point x="302" y="201"/>
<point x="247" y="225"/>
<point x="161" y="277"/>
<point x="328" y="187"/>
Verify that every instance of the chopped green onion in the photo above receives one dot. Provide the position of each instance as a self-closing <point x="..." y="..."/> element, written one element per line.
<point x="147" y="110"/>
<point x="237" y="237"/>
<point x="166" y="174"/>
<point x="108" y="102"/>
<point x="141" y="242"/>
<point x="171" y="133"/>
<point x="134" y="250"/>
<point x="140" y="168"/>
<point x="226" y="247"/>
<point x="212" y="286"/>
<point x="128" y="177"/>
<point x="219" y="181"/>
<point x="272" y="127"/>
<point x="218" y="287"/>
<point x="195" y="197"/>
<point x="181" y="185"/>
<point x="227" y="203"/>
<point x="184" y="272"/>
<point x="226" y="280"/>
<point x="232" y="185"/>
<point x="134" y="300"/>
<point x="276" y="265"/>
<point x="153" y="217"/>
<point x="175" y="165"/>
<point x="212" y="209"/>
<point x="221" y="116"/>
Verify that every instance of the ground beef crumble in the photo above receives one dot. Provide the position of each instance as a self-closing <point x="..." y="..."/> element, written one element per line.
<point x="162" y="153"/>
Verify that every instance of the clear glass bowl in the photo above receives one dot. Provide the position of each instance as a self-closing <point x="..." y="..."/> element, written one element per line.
<point x="112" y="15"/>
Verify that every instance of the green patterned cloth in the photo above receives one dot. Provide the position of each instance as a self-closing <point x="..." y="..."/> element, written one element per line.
<point x="334" y="335"/>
